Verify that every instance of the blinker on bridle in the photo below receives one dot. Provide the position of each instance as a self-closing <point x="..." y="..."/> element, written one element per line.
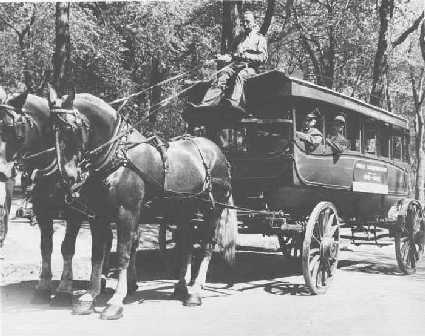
<point x="18" y="120"/>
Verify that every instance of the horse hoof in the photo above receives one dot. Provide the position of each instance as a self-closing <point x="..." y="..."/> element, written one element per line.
<point x="103" y="286"/>
<point x="180" y="293"/>
<point x="41" y="296"/>
<point x="112" y="312"/>
<point x="192" y="301"/>
<point x="83" y="308"/>
<point x="61" y="299"/>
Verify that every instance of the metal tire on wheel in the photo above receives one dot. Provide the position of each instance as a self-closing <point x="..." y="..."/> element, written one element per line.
<point x="320" y="248"/>
<point x="410" y="239"/>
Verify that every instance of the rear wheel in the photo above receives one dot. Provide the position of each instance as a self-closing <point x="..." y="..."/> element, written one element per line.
<point x="410" y="239"/>
<point x="321" y="248"/>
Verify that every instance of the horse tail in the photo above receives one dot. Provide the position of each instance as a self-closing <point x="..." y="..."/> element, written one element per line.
<point x="227" y="232"/>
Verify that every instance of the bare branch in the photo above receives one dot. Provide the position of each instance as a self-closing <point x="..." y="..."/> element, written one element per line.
<point x="11" y="26"/>
<point x="408" y="31"/>
<point x="422" y="40"/>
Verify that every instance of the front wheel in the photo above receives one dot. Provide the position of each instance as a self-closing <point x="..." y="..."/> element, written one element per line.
<point x="410" y="239"/>
<point x="321" y="248"/>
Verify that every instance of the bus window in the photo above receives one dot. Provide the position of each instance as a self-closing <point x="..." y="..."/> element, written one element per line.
<point x="370" y="137"/>
<point x="405" y="148"/>
<point x="232" y="140"/>
<point x="397" y="145"/>
<point x="353" y="131"/>
<point x="268" y="138"/>
<point x="383" y="140"/>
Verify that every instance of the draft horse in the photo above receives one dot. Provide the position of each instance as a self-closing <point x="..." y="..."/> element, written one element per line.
<point x="127" y="170"/>
<point x="25" y="127"/>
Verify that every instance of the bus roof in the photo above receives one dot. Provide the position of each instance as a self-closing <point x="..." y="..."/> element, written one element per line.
<point x="276" y="85"/>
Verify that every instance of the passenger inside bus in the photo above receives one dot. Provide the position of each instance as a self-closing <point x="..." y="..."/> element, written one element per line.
<point x="336" y="137"/>
<point x="370" y="137"/>
<point x="309" y="134"/>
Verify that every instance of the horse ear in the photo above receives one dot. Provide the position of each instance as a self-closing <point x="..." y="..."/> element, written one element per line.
<point x="18" y="101"/>
<point x="53" y="96"/>
<point x="69" y="100"/>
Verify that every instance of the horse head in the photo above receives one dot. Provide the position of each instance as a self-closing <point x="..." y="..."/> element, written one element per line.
<point x="15" y="125"/>
<point x="71" y="129"/>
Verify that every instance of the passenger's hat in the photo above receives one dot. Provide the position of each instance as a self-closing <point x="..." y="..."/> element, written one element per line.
<point x="313" y="114"/>
<point x="340" y="118"/>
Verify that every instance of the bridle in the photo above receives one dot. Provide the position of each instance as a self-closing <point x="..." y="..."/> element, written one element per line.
<point x="79" y="126"/>
<point x="20" y="121"/>
<point x="12" y="119"/>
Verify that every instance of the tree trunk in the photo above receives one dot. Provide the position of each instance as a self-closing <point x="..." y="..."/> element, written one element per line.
<point x="62" y="45"/>
<point x="420" y="169"/>
<point x="322" y="54"/>
<point x="419" y="96"/>
<point x="380" y="66"/>
<point x="271" y="4"/>
<point x="231" y="24"/>
<point x="157" y="76"/>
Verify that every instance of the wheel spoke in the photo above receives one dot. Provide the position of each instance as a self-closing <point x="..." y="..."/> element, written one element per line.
<point x="314" y="251"/>
<point x="318" y="240"/>
<point x="324" y="222"/>
<point x="313" y="261"/>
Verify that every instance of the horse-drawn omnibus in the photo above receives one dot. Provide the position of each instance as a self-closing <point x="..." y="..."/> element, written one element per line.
<point x="303" y="195"/>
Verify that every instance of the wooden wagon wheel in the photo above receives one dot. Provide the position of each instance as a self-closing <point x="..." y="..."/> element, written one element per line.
<point x="321" y="247"/>
<point x="410" y="239"/>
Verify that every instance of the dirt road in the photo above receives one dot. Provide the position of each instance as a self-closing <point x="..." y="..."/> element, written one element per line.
<point x="368" y="297"/>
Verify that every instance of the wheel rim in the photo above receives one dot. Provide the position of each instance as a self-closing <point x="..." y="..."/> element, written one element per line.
<point x="409" y="253"/>
<point x="410" y="241"/>
<point x="321" y="248"/>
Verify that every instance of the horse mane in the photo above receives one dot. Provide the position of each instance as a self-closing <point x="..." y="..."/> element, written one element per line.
<point x="38" y="108"/>
<point x="96" y="105"/>
<point x="99" y="113"/>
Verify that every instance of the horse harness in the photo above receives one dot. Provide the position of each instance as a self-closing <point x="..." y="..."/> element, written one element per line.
<point x="113" y="155"/>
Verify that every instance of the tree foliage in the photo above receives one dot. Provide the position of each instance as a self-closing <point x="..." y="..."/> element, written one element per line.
<point x="119" y="48"/>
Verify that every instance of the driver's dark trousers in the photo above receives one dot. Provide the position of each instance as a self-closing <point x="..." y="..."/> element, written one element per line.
<point x="240" y="76"/>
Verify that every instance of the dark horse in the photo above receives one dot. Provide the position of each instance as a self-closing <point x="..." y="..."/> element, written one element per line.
<point x="126" y="171"/>
<point x="28" y="136"/>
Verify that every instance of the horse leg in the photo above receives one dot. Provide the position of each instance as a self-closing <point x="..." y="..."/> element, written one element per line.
<point x="43" y="288"/>
<point x="207" y="245"/>
<point x="127" y="221"/>
<point x="106" y="258"/>
<point x="63" y="296"/>
<point x="132" y="272"/>
<point x="85" y="303"/>
<point x="184" y="247"/>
